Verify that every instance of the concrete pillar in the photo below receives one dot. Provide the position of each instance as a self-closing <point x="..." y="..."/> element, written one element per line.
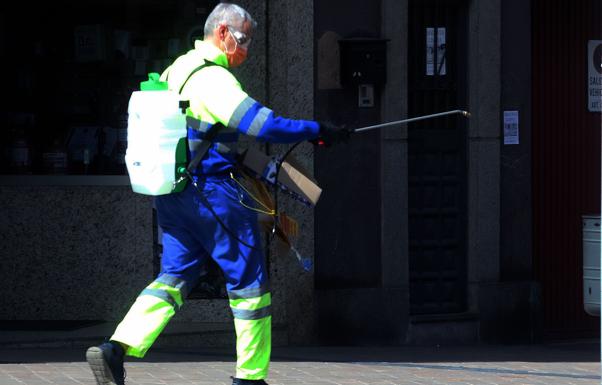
<point x="394" y="170"/>
<point x="290" y="69"/>
<point x="484" y="77"/>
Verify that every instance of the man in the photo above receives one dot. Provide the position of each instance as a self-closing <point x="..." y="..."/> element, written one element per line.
<point x="210" y="221"/>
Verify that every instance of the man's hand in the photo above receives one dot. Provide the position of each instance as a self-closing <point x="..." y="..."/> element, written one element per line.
<point x="330" y="134"/>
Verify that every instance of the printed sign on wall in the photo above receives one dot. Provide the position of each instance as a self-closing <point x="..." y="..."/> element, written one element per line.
<point x="594" y="75"/>
<point x="511" y="127"/>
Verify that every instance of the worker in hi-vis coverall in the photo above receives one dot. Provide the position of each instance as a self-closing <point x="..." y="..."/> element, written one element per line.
<point x="191" y="232"/>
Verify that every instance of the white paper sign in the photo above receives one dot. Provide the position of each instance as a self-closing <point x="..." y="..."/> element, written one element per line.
<point x="441" y="68"/>
<point x="511" y="127"/>
<point x="594" y="75"/>
<point x="430" y="51"/>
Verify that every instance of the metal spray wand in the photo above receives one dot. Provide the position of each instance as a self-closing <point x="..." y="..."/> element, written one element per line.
<point x="410" y="120"/>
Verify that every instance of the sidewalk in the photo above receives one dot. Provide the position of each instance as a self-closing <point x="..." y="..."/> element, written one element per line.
<point x="550" y="364"/>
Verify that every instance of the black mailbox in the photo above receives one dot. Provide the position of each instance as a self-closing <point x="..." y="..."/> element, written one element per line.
<point x="363" y="61"/>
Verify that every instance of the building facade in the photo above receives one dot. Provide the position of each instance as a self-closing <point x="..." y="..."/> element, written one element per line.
<point x="451" y="230"/>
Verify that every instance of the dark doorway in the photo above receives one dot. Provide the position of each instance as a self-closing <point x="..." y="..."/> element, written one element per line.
<point x="437" y="157"/>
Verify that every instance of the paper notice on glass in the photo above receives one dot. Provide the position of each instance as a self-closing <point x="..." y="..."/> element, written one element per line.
<point x="441" y="67"/>
<point x="511" y="127"/>
<point x="430" y="51"/>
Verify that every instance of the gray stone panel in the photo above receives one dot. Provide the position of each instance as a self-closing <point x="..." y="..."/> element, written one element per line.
<point x="394" y="148"/>
<point x="290" y="66"/>
<point x="74" y="252"/>
<point x="484" y="76"/>
<point x="483" y="210"/>
<point x="484" y="68"/>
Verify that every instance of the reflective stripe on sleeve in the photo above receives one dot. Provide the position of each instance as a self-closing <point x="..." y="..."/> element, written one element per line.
<point x="259" y="121"/>
<point x="240" y="112"/>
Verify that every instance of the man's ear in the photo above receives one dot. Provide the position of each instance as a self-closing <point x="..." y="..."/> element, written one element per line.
<point x="222" y="30"/>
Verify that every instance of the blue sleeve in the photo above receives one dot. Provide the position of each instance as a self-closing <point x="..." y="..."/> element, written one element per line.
<point x="253" y="119"/>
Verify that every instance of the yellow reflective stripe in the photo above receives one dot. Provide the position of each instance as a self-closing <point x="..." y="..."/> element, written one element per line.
<point x="143" y="323"/>
<point x="251" y="303"/>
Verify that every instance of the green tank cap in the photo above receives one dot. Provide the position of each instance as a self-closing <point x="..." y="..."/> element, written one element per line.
<point x="153" y="83"/>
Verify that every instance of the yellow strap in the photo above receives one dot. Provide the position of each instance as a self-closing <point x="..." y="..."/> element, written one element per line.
<point x="267" y="210"/>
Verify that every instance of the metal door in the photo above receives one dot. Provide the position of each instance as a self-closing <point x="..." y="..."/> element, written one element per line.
<point x="566" y="159"/>
<point x="437" y="157"/>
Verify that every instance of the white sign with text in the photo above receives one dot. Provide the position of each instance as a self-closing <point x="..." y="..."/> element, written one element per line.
<point x="594" y="75"/>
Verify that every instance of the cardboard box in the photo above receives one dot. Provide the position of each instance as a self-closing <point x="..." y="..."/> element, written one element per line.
<point x="292" y="175"/>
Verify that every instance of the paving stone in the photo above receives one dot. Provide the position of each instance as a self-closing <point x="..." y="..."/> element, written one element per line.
<point x="482" y="365"/>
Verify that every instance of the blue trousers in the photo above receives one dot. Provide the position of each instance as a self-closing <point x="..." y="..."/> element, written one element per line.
<point x="192" y="235"/>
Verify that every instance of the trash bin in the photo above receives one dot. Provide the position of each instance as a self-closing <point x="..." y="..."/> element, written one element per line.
<point x="591" y="264"/>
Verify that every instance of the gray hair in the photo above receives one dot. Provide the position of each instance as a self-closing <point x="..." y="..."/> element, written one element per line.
<point x="229" y="14"/>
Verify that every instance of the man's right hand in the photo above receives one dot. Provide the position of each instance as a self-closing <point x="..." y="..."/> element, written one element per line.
<point x="330" y="134"/>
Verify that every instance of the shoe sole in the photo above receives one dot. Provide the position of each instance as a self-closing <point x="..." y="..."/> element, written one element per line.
<point x="100" y="368"/>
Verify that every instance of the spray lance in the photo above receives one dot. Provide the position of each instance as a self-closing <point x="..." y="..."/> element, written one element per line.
<point x="411" y="120"/>
<point x="306" y="263"/>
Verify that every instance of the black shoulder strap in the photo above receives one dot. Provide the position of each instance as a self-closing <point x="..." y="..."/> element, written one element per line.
<point x="210" y="134"/>
<point x="204" y="146"/>
<point x="207" y="63"/>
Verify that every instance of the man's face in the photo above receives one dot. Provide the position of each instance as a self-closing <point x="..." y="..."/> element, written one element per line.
<point x="235" y="41"/>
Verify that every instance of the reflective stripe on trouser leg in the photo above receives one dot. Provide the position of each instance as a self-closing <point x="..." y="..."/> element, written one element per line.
<point x="253" y="324"/>
<point x="147" y="317"/>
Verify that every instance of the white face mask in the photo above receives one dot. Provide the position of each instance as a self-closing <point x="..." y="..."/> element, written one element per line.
<point x="238" y="55"/>
<point x="226" y="50"/>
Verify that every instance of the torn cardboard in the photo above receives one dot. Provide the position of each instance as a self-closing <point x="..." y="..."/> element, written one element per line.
<point x="292" y="175"/>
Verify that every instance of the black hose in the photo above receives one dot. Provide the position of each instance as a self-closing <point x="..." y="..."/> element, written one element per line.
<point x="217" y="218"/>
<point x="278" y="167"/>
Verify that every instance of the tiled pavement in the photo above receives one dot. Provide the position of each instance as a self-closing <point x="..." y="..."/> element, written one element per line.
<point x="550" y="364"/>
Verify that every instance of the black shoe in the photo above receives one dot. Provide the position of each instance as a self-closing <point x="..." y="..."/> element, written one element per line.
<point x="239" y="381"/>
<point x="106" y="362"/>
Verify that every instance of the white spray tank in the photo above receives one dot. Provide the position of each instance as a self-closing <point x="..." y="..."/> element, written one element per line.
<point x="156" y="152"/>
